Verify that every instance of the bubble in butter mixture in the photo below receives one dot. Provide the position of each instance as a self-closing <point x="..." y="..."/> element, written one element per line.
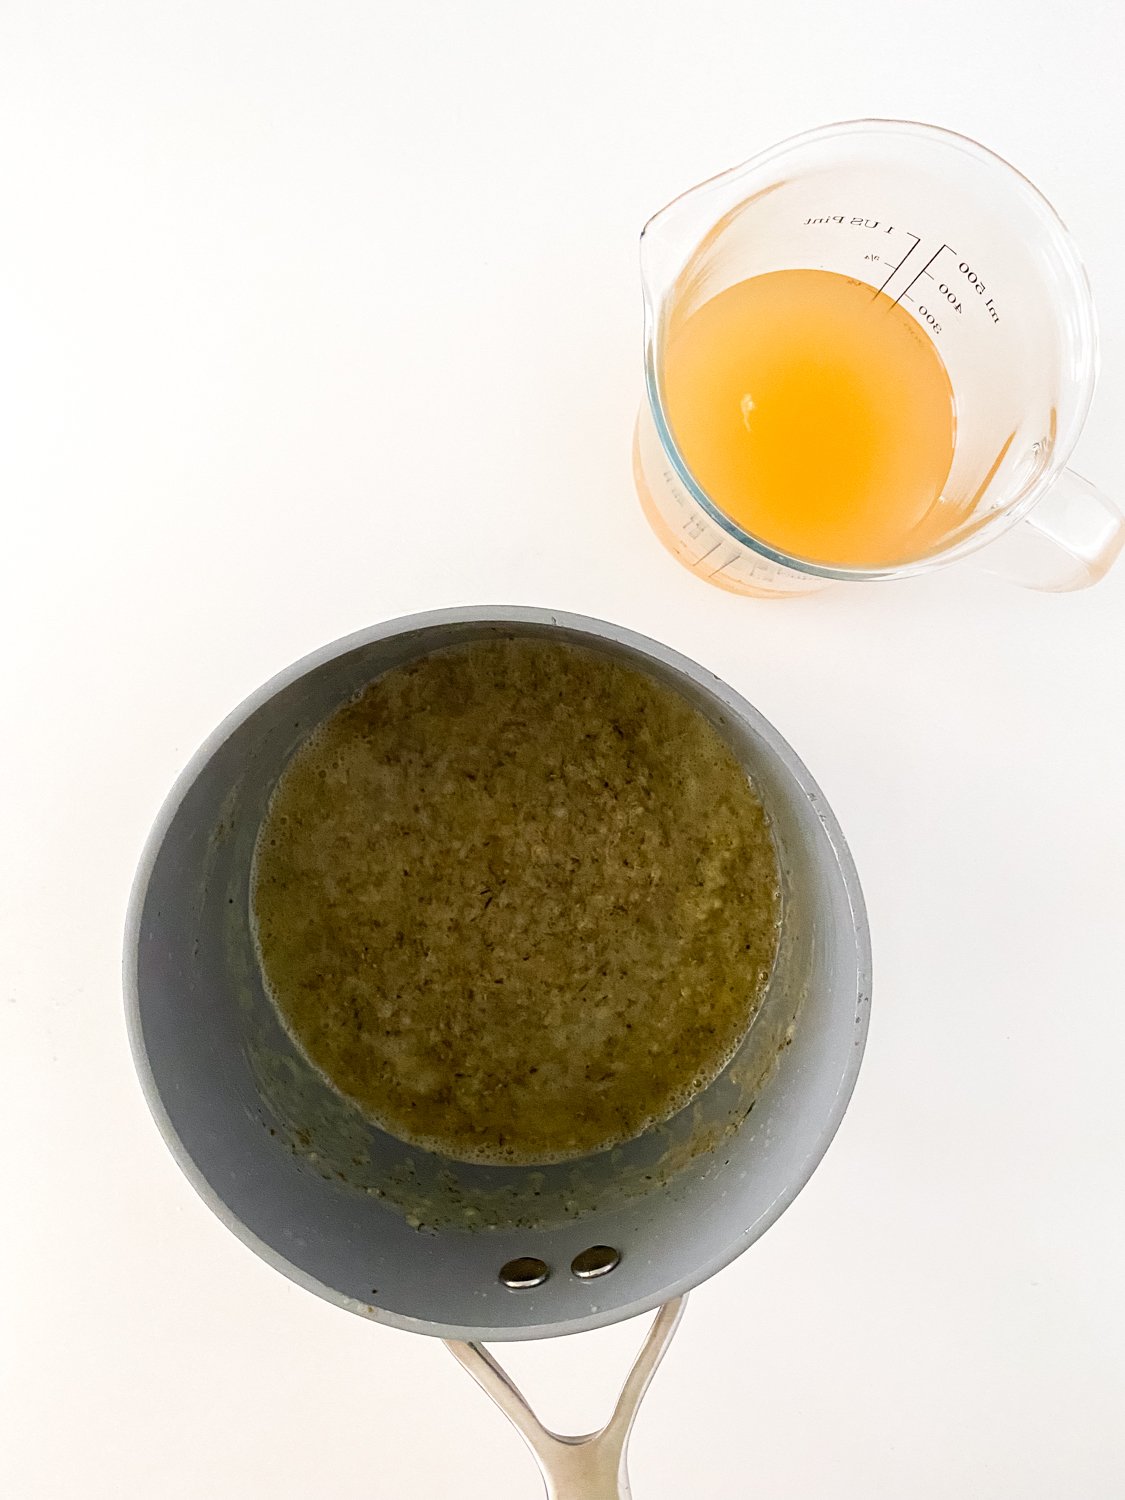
<point x="516" y="900"/>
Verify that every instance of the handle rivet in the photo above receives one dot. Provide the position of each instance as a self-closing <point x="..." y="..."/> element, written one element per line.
<point x="523" y="1272"/>
<point x="596" y="1261"/>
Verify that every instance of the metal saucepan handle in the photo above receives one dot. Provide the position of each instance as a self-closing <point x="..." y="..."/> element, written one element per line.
<point x="578" y="1468"/>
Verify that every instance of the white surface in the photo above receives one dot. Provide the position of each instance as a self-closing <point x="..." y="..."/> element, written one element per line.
<point x="317" y="314"/>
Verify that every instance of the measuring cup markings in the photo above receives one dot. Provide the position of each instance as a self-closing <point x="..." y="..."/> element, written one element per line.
<point x="944" y="288"/>
<point x="951" y="295"/>
<point x="693" y="538"/>
<point x="858" y="221"/>
<point x="897" y="267"/>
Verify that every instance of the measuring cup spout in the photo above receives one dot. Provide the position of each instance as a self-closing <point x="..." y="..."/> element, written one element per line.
<point x="675" y="233"/>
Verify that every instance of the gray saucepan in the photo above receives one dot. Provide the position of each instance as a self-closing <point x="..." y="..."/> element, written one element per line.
<point x="464" y="1251"/>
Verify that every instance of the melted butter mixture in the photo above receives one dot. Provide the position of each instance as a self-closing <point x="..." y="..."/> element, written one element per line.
<point x="517" y="901"/>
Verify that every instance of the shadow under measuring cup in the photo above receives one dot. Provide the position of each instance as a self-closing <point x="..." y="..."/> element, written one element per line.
<point x="943" y="233"/>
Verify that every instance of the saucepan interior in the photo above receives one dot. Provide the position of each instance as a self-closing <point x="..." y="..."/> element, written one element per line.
<point x="405" y="1236"/>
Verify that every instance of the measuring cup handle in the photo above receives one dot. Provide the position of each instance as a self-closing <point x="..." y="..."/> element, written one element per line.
<point x="1068" y="541"/>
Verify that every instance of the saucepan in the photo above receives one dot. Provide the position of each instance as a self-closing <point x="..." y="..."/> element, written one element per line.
<point x="461" y="1251"/>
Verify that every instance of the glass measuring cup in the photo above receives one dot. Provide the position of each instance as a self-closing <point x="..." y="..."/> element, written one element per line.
<point x="985" y="267"/>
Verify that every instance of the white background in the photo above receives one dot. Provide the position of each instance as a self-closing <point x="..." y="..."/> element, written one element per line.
<point x="315" y="314"/>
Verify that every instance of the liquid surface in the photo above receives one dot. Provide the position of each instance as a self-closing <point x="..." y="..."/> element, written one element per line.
<point x="817" y="414"/>
<point x="517" y="901"/>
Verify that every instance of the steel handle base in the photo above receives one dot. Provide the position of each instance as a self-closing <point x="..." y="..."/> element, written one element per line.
<point x="591" y="1467"/>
